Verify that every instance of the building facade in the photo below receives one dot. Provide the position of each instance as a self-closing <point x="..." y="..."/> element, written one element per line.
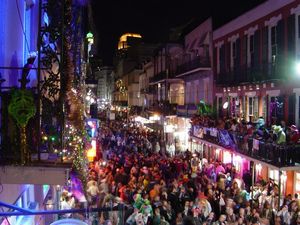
<point x="194" y="66"/>
<point x="130" y="56"/>
<point x="145" y="92"/>
<point x="28" y="187"/>
<point x="255" y="57"/>
<point x="105" y="78"/>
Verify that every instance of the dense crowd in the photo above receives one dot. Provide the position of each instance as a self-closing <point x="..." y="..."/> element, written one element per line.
<point x="156" y="188"/>
<point x="277" y="132"/>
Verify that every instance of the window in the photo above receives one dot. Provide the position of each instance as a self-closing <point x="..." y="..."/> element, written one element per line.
<point x="273" y="44"/>
<point x="234" y="49"/>
<point x="220" y="101"/>
<point x="251" y="40"/>
<point x="274" y="174"/>
<point x="255" y="108"/>
<point x="251" y="51"/>
<point x="233" y="54"/>
<point x="264" y="101"/>
<point x="297" y="181"/>
<point x="251" y="101"/>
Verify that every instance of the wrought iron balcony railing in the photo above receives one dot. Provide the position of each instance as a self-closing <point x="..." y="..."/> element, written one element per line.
<point x="270" y="152"/>
<point x="163" y="107"/>
<point x="198" y="62"/>
<point x="253" y="74"/>
<point x="158" y="77"/>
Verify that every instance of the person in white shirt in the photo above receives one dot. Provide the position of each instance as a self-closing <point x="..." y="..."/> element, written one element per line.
<point x="64" y="205"/>
<point x="93" y="192"/>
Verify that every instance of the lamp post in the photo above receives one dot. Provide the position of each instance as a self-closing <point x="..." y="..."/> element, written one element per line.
<point x="90" y="40"/>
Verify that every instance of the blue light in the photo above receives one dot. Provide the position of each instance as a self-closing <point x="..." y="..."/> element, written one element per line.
<point x="46" y="19"/>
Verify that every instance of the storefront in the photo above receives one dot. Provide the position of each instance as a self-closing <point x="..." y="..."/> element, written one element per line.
<point x="287" y="178"/>
<point x="177" y="132"/>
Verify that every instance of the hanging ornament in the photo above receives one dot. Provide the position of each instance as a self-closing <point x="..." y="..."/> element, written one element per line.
<point x="22" y="108"/>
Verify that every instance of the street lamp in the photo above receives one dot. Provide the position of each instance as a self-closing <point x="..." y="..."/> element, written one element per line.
<point x="297" y="68"/>
<point x="90" y="40"/>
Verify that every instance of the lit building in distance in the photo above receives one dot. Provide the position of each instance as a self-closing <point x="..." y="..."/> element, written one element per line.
<point x="126" y="40"/>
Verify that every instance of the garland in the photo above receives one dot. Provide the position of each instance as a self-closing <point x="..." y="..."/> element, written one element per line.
<point x="75" y="134"/>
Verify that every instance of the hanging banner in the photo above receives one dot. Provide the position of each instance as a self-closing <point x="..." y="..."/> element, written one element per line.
<point x="225" y="139"/>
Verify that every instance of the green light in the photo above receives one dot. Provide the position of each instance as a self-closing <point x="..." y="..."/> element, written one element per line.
<point x="89" y="35"/>
<point x="52" y="138"/>
<point x="298" y="68"/>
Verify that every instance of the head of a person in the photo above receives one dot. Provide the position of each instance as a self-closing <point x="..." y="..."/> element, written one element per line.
<point x="229" y="211"/>
<point x="222" y="218"/>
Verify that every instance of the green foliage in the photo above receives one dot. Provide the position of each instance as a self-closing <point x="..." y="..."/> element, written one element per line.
<point x="22" y="107"/>
<point x="204" y="109"/>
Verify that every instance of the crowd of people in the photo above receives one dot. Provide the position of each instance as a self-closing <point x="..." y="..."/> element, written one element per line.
<point x="276" y="142"/>
<point x="153" y="187"/>
<point x="278" y="132"/>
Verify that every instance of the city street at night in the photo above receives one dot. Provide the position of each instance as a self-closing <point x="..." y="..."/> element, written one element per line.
<point x="150" y="113"/>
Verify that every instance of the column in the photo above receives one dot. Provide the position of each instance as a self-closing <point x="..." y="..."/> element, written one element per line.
<point x="268" y="110"/>
<point x="286" y="108"/>
<point x="260" y="106"/>
<point x="297" y="109"/>
<point x="252" y="170"/>
<point x="246" y="108"/>
<point x="279" y="188"/>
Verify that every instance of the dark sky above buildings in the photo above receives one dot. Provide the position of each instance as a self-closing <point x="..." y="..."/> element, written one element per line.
<point x="154" y="18"/>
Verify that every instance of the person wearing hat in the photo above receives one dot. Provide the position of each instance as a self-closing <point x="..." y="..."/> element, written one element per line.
<point x="281" y="137"/>
<point x="295" y="135"/>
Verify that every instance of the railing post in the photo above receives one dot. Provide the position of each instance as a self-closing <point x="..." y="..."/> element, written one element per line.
<point x="279" y="188"/>
<point x="121" y="214"/>
<point x="252" y="168"/>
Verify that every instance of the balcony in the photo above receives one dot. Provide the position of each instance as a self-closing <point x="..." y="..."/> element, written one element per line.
<point x="164" y="107"/>
<point x="198" y="62"/>
<point x="254" y="74"/>
<point x="187" y="110"/>
<point x="158" y="77"/>
<point x="147" y="90"/>
<point x="272" y="153"/>
<point x="54" y="175"/>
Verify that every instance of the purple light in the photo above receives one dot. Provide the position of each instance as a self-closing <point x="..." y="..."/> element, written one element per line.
<point x="81" y="2"/>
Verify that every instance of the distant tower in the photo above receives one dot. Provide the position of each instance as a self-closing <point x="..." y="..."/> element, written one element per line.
<point x="128" y="39"/>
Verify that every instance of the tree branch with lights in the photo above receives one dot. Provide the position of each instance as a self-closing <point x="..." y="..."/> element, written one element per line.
<point x="71" y="95"/>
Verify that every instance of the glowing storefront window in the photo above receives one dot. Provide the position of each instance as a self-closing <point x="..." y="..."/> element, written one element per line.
<point x="258" y="168"/>
<point x="226" y="157"/>
<point x="237" y="162"/>
<point x="297" y="189"/>
<point x="274" y="174"/>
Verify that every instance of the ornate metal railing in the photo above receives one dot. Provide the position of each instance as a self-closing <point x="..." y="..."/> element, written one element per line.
<point x="50" y="81"/>
<point x="198" y="62"/>
<point x="253" y="74"/>
<point x="270" y="152"/>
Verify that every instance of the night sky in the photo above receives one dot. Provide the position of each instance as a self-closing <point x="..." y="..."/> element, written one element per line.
<point x="154" y="18"/>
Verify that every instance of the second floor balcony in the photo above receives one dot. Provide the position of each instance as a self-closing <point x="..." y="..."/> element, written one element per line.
<point x="163" y="107"/>
<point x="187" y="110"/>
<point x="278" y="155"/>
<point x="158" y="77"/>
<point x="197" y="62"/>
<point x="253" y="74"/>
